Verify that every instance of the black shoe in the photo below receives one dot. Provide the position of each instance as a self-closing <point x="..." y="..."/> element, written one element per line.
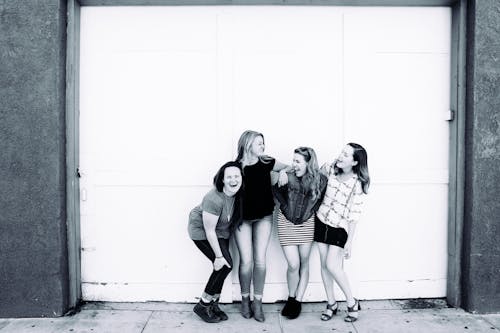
<point x="295" y="309"/>
<point x="204" y="311"/>
<point x="286" y="309"/>
<point x="217" y="310"/>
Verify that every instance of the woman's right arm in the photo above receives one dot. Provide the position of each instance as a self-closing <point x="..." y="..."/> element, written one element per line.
<point x="325" y="168"/>
<point x="209" y="224"/>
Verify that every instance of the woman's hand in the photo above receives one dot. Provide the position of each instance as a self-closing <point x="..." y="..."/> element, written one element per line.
<point x="283" y="178"/>
<point x="347" y="250"/>
<point x="219" y="262"/>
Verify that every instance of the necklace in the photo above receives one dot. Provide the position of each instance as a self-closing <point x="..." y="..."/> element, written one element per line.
<point x="229" y="205"/>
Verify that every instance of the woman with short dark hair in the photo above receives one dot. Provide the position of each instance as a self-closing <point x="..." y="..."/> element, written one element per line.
<point x="210" y="226"/>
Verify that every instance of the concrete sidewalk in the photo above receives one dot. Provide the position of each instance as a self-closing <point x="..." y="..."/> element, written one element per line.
<point x="426" y="316"/>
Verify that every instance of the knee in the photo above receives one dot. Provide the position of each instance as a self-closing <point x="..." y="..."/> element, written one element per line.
<point x="333" y="267"/>
<point x="260" y="264"/>
<point x="225" y="271"/>
<point x="304" y="266"/>
<point x="293" y="267"/>
<point x="245" y="263"/>
<point x="324" y="266"/>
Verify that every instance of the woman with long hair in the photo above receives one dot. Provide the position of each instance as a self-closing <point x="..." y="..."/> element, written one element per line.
<point x="210" y="226"/>
<point x="335" y="223"/>
<point x="299" y="201"/>
<point x="253" y="233"/>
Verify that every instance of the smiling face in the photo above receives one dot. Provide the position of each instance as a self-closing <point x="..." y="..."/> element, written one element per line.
<point x="299" y="165"/>
<point x="232" y="180"/>
<point x="346" y="160"/>
<point x="257" y="146"/>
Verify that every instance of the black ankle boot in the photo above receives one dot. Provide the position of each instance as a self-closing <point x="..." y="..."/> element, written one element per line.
<point x="217" y="310"/>
<point x="288" y="305"/>
<point x="295" y="309"/>
<point x="204" y="311"/>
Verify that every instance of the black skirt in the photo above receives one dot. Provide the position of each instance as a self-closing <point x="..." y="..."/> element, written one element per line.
<point x="324" y="233"/>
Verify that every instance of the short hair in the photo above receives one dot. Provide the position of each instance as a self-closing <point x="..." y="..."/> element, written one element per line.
<point x="219" y="176"/>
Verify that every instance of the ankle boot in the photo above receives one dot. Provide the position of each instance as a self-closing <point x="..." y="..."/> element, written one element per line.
<point x="246" y="310"/>
<point x="217" y="310"/>
<point x="204" y="311"/>
<point x="286" y="309"/>
<point x="258" y="313"/>
<point x="295" y="309"/>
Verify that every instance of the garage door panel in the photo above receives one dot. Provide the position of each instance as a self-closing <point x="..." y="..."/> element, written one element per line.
<point x="409" y="229"/>
<point x="256" y="28"/>
<point x="121" y="247"/>
<point x="398" y="29"/>
<point x="162" y="24"/>
<point x="407" y="98"/>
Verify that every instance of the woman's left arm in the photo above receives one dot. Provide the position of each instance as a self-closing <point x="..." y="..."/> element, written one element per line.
<point x="348" y="244"/>
<point x="283" y="169"/>
<point x="354" y="216"/>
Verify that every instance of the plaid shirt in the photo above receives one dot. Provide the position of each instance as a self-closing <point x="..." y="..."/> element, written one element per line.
<point x="342" y="203"/>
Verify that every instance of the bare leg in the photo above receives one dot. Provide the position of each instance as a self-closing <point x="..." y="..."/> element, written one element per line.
<point x="243" y="237"/>
<point x="325" y="274"/>
<point x="304" y="252"/>
<point x="292" y="273"/>
<point x="334" y="265"/>
<point x="261" y="235"/>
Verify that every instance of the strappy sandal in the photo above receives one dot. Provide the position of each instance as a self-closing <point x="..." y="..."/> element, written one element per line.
<point x="352" y="312"/>
<point x="331" y="309"/>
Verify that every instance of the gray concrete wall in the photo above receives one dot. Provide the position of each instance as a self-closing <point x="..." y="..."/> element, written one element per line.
<point x="481" y="245"/>
<point x="33" y="250"/>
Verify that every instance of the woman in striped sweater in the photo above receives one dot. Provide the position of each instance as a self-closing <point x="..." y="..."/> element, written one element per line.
<point x="298" y="200"/>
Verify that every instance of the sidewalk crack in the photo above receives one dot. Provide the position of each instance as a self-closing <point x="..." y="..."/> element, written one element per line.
<point x="281" y="323"/>
<point x="147" y="321"/>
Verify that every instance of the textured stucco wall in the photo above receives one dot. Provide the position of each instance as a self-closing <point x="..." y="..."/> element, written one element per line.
<point x="33" y="259"/>
<point x="481" y="255"/>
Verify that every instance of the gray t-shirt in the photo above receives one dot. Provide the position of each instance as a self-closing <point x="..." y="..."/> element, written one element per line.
<point x="216" y="203"/>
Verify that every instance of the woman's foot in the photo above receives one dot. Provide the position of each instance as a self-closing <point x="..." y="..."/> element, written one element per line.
<point x="330" y="311"/>
<point x="217" y="310"/>
<point x="258" y="313"/>
<point x="286" y="309"/>
<point x="246" y="310"/>
<point x="352" y="312"/>
<point x="295" y="309"/>
<point x="204" y="311"/>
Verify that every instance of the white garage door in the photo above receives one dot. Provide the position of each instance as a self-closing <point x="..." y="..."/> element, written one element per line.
<point x="166" y="91"/>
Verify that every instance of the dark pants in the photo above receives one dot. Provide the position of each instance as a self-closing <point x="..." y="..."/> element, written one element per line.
<point x="216" y="280"/>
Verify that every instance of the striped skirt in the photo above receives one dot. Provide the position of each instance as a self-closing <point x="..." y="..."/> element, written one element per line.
<point x="291" y="234"/>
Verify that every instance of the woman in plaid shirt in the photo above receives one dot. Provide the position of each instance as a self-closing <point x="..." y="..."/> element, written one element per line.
<point x="348" y="182"/>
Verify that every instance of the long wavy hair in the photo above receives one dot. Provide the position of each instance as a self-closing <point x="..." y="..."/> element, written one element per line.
<point x="237" y="215"/>
<point x="312" y="175"/>
<point x="361" y="168"/>
<point x="245" y="145"/>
